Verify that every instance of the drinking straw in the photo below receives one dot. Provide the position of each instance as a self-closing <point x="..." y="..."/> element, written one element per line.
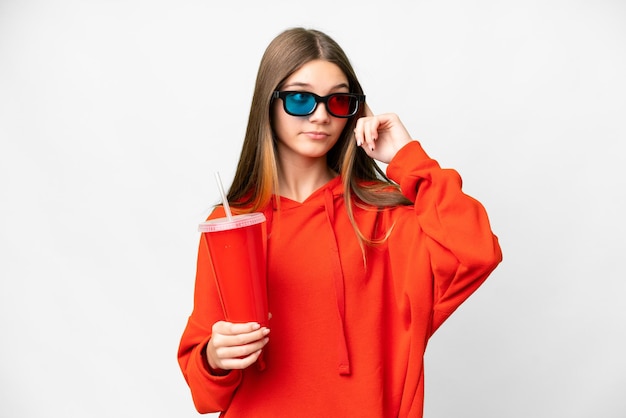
<point x="224" y="200"/>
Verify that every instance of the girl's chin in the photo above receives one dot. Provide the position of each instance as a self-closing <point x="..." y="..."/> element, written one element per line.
<point x="306" y="149"/>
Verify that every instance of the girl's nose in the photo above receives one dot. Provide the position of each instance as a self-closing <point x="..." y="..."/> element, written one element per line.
<point x="320" y="114"/>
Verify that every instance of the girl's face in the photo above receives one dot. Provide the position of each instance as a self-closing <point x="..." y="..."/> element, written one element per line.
<point x="309" y="137"/>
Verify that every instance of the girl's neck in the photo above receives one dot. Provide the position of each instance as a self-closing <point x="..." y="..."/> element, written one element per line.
<point x="298" y="182"/>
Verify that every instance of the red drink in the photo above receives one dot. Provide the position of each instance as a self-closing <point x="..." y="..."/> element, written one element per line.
<point x="238" y="251"/>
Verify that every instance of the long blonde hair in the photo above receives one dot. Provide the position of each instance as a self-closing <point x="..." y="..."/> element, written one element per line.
<point x="256" y="178"/>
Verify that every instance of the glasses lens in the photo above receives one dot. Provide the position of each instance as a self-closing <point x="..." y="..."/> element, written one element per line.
<point x="299" y="104"/>
<point x="342" y="104"/>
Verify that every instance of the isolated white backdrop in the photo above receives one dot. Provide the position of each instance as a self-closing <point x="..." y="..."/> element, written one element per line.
<point x="115" y="114"/>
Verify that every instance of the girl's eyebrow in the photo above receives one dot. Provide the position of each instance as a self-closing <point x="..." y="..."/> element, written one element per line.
<point x="300" y="84"/>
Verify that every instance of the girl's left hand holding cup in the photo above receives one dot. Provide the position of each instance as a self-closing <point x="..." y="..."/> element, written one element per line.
<point x="381" y="136"/>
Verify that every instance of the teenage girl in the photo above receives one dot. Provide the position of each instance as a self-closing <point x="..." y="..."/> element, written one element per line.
<point x="363" y="265"/>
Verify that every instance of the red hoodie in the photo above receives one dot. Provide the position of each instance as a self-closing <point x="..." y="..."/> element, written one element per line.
<point x="347" y="338"/>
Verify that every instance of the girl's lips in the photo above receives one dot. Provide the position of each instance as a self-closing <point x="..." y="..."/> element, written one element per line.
<point x="316" y="135"/>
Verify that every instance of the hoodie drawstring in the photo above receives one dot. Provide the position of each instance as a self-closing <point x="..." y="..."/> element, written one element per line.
<point x="338" y="278"/>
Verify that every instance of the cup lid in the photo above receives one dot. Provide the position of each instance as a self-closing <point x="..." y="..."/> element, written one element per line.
<point x="237" y="221"/>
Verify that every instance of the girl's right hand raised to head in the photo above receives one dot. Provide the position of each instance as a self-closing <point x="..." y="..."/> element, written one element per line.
<point x="235" y="346"/>
<point x="381" y="136"/>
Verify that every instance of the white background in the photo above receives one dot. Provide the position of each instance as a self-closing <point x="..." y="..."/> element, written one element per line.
<point x="114" y="116"/>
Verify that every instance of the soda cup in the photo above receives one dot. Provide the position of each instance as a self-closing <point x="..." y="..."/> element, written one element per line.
<point x="238" y="249"/>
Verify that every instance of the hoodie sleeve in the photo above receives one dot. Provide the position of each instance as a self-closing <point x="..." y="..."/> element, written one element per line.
<point x="452" y="232"/>
<point x="210" y="393"/>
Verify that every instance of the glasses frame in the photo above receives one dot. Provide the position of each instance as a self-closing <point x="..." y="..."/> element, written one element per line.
<point x="360" y="98"/>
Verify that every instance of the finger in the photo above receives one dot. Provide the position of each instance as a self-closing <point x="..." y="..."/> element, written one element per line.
<point x="240" y="363"/>
<point x="370" y="132"/>
<point x="226" y="340"/>
<point x="237" y="357"/>
<point x="219" y="352"/>
<point x="361" y="130"/>
<point x="240" y="351"/>
<point x="358" y="132"/>
<point x="230" y="328"/>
